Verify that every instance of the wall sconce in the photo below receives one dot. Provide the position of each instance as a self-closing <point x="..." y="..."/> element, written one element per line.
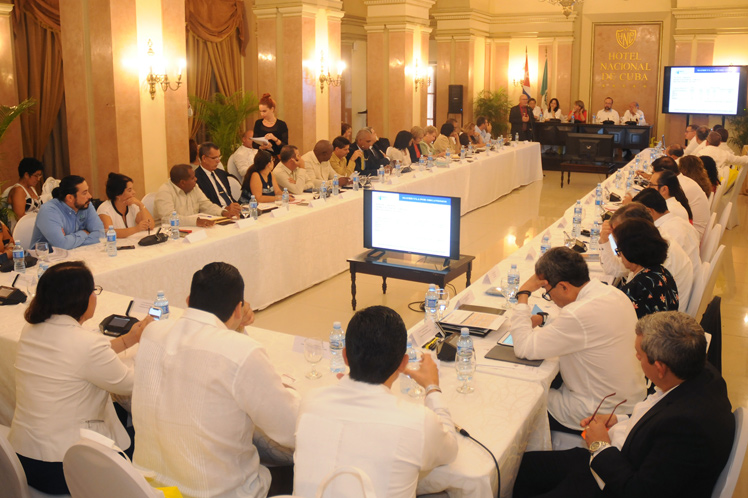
<point x="326" y="77"/>
<point x="424" y="80"/>
<point x="160" y="79"/>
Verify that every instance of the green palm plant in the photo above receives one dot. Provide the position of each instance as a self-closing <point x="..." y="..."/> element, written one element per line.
<point x="495" y="107"/>
<point x="223" y="117"/>
<point x="739" y="132"/>
<point x="8" y="114"/>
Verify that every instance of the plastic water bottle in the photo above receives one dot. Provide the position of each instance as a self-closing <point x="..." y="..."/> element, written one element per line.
<point x="541" y="117"/>
<point x="19" y="262"/>
<point x="174" y="225"/>
<point x="337" y="343"/>
<point x="572" y="117"/>
<point x="284" y="199"/>
<point x="576" y="229"/>
<point x="380" y="175"/>
<point x="599" y="197"/>
<point x="430" y="163"/>
<point x="448" y="156"/>
<point x="406" y="383"/>
<point x="545" y="244"/>
<point x="323" y="191"/>
<point x="595" y="236"/>
<point x="594" y="118"/>
<point x="354" y="179"/>
<point x="111" y="242"/>
<point x="512" y="283"/>
<point x="465" y="342"/>
<point x="431" y="303"/>
<point x="253" y="212"/>
<point x="641" y="120"/>
<point x="629" y="180"/>
<point x="163" y="304"/>
<point x="421" y="163"/>
<point x="463" y="152"/>
<point x="636" y="162"/>
<point x="335" y="186"/>
<point x="619" y="179"/>
<point x="398" y="169"/>
<point x="470" y="148"/>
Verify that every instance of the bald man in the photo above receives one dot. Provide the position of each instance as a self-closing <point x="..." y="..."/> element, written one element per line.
<point x="521" y="118"/>
<point x="369" y="160"/>
<point x="318" y="168"/>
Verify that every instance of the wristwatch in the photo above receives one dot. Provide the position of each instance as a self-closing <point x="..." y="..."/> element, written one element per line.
<point x="596" y="446"/>
<point x="525" y="292"/>
<point x="544" y="316"/>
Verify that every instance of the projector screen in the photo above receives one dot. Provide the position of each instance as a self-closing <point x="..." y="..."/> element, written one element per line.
<point x="715" y="90"/>
<point x="412" y="223"/>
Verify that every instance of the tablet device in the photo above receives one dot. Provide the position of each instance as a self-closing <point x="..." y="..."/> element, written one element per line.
<point x="506" y="353"/>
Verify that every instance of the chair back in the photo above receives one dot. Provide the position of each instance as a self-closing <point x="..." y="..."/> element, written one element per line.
<point x="714" y="267"/>
<point x="12" y="476"/>
<point x="733" y="219"/>
<point x="93" y="470"/>
<point x="710" y="200"/>
<point x="24" y="229"/>
<point x="725" y="216"/>
<point x="708" y="229"/>
<point x="697" y="291"/>
<point x="718" y="195"/>
<point x="236" y="188"/>
<point x="728" y="479"/>
<point x="149" y="200"/>
<point x="710" y="245"/>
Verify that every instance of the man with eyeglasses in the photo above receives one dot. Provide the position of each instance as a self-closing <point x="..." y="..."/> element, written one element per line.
<point x="214" y="181"/>
<point x="591" y="335"/>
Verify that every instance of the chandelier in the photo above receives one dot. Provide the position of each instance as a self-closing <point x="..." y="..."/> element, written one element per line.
<point x="567" y="5"/>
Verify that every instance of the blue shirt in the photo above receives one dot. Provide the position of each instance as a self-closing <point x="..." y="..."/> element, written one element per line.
<point x="60" y="226"/>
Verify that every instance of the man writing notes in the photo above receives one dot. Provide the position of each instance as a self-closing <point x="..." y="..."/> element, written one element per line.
<point x="521" y="118"/>
<point x="214" y="181"/>
<point x="360" y="422"/>
<point x="68" y="220"/>
<point x="291" y="172"/>
<point x="591" y="335"/>
<point x="179" y="194"/>
<point x="202" y="387"/>
<point x="675" y="443"/>
<point x="607" y="113"/>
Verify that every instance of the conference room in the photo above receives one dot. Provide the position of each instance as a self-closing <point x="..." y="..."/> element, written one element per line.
<point x="137" y="88"/>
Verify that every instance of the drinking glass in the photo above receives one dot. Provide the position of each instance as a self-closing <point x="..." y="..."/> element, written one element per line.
<point x="387" y="177"/>
<point x="416" y="391"/>
<point x="442" y="302"/>
<point x="42" y="251"/>
<point x="465" y="366"/>
<point x="31" y="283"/>
<point x="313" y="354"/>
<point x="245" y="210"/>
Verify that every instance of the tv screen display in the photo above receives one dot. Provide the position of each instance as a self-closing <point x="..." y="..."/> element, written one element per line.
<point x="715" y="90"/>
<point x="412" y="223"/>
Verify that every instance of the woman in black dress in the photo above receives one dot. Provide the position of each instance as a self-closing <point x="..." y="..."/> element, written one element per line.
<point x="270" y="127"/>
<point x="643" y="251"/>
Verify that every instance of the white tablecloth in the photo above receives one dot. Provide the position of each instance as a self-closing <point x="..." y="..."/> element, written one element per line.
<point x="279" y="257"/>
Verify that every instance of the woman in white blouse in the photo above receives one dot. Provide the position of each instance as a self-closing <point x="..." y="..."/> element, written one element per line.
<point x="123" y="210"/>
<point x="554" y="110"/>
<point x="399" y="150"/>
<point x="64" y="374"/>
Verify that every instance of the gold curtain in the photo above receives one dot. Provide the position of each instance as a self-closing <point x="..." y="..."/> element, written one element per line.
<point x="215" y="20"/>
<point x="225" y="60"/>
<point x="198" y="75"/>
<point x="36" y="28"/>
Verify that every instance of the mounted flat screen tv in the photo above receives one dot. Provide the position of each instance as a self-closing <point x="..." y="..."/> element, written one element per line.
<point x="714" y="90"/>
<point x="428" y="225"/>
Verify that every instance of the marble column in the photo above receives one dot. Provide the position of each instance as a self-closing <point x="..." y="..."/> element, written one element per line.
<point x="11" y="149"/>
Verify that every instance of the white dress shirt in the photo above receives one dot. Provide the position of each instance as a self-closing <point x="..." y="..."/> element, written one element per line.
<point x="691" y="147"/>
<point x="675" y="207"/>
<point x="697" y="201"/>
<point x="170" y="198"/>
<point x="723" y="158"/>
<point x="394" y="154"/>
<point x="283" y="177"/>
<point x="554" y="115"/>
<point x="611" y="115"/>
<point x="64" y="374"/>
<point x="684" y="234"/>
<point x="677" y="263"/>
<point x="367" y="426"/>
<point x="537" y="112"/>
<point x="594" y="338"/>
<point x="240" y="161"/>
<point x="316" y="171"/>
<point x="200" y="391"/>
<point x="638" y="116"/>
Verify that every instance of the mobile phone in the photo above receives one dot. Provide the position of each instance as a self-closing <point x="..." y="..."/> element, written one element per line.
<point x="120" y="248"/>
<point x="155" y="313"/>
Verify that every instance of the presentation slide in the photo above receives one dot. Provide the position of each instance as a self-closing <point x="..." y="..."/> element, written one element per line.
<point x="411" y="223"/>
<point x="704" y="90"/>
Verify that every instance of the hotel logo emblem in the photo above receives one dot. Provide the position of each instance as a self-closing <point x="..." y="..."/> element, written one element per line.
<point x="625" y="37"/>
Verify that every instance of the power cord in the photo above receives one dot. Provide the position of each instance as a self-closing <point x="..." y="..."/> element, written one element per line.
<point x="420" y="306"/>
<point x="496" y="463"/>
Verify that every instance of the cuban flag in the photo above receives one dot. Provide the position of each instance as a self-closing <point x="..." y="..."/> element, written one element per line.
<point x="526" y="81"/>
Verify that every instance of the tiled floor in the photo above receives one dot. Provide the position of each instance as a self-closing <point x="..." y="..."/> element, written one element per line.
<point x="491" y="234"/>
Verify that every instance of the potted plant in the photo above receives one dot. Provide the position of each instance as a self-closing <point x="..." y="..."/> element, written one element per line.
<point x="223" y="117"/>
<point x="739" y="131"/>
<point x="495" y="107"/>
<point x="8" y="114"/>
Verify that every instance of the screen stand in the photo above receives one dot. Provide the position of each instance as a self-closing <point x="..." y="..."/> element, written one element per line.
<point x="408" y="260"/>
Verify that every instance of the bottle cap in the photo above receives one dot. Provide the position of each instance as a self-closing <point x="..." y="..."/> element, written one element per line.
<point x="336" y="325"/>
<point x="464" y="331"/>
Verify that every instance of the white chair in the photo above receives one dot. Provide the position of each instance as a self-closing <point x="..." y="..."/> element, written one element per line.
<point x="93" y="470"/>
<point x="697" y="291"/>
<point x="149" y="200"/>
<point x="236" y="188"/>
<point x="728" y="479"/>
<point x="711" y="244"/>
<point x="710" y="201"/>
<point x="714" y="267"/>
<point x="718" y="195"/>
<point x="732" y="222"/>
<point x="725" y="216"/>
<point x="708" y="229"/>
<point x="24" y="230"/>
<point x="12" y="476"/>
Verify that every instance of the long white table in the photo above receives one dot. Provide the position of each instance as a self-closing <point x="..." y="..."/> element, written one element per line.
<point x="279" y="257"/>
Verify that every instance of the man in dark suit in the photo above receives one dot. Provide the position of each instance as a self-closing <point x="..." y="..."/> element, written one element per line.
<point x="367" y="158"/>
<point x="522" y="119"/>
<point x="214" y="181"/>
<point x="676" y="442"/>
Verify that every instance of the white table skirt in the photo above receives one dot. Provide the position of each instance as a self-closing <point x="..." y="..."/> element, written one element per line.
<point x="279" y="257"/>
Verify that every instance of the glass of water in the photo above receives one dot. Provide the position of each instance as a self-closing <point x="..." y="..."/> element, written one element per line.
<point x="245" y="210"/>
<point x="313" y="354"/>
<point x="442" y="303"/>
<point x="42" y="251"/>
<point x="465" y="367"/>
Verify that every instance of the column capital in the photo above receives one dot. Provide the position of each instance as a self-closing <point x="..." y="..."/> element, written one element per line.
<point x="6" y="9"/>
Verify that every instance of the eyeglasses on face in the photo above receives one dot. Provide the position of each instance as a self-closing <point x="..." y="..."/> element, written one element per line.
<point x="97" y="289"/>
<point x="547" y="294"/>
